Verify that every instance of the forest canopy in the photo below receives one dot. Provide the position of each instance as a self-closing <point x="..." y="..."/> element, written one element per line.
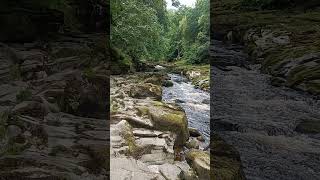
<point x="146" y="31"/>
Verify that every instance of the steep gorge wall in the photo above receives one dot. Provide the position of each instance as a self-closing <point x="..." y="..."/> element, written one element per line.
<point x="285" y="42"/>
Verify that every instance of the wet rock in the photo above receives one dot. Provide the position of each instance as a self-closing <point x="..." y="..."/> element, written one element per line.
<point x="201" y="139"/>
<point x="206" y="101"/>
<point x="194" y="132"/>
<point x="179" y="101"/>
<point x="167" y="83"/>
<point x="200" y="162"/>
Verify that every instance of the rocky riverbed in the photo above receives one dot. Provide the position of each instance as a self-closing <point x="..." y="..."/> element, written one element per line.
<point x="151" y="139"/>
<point x="275" y="129"/>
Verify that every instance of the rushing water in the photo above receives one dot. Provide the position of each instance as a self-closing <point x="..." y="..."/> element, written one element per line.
<point x="260" y="120"/>
<point x="195" y="102"/>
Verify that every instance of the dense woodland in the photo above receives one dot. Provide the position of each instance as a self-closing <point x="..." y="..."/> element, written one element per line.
<point x="145" y="31"/>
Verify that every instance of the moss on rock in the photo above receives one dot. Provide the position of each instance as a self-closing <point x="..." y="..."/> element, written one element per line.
<point x="168" y="117"/>
<point x="200" y="162"/>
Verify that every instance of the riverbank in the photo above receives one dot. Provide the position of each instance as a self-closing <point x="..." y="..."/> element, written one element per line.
<point x="284" y="42"/>
<point x="148" y="133"/>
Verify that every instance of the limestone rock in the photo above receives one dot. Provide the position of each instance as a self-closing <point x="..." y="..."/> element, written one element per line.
<point x="200" y="162"/>
<point x="146" y="90"/>
<point x="127" y="168"/>
<point x="170" y="171"/>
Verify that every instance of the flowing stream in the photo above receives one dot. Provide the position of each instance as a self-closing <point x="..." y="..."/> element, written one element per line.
<point x="261" y="120"/>
<point x="195" y="102"/>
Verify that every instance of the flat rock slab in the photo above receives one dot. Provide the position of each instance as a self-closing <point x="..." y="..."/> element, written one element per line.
<point x="127" y="168"/>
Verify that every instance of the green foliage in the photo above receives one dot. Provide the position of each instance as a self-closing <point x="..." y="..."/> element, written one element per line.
<point x="189" y="33"/>
<point x="120" y="62"/>
<point x="146" y="31"/>
<point x="136" y="28"/>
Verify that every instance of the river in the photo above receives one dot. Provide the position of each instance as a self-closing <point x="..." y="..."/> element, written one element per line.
<point x="195" y="102"/>
<point x="261" y="120"/>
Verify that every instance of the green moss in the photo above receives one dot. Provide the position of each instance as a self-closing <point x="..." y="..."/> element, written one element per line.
<point x="89" y="73"/>
<point x="198" y="154"/>
<point x="15" y="72"/>
<point x="24" y="95"/>
<point x="303" y="73"/>
<point x="143" y="111"/>
<point x="158" y="103"/>
<point x="131" y="143"/>
<point x="174" y="118"/>
<point x="114" y="107"/>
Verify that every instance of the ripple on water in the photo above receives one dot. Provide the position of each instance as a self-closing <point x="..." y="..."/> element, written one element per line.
<point x="191" y="100"/>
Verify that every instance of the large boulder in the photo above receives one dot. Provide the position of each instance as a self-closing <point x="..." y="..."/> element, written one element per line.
<point x="200" y="162"/>
<point x="167" y="117"/>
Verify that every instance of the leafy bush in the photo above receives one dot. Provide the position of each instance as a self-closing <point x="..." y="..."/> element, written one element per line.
<point x="198" y="54"/>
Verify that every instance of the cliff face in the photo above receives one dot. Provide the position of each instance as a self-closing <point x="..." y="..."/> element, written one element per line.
<point x="53" y="97"/>
<point x="285" y="42"/>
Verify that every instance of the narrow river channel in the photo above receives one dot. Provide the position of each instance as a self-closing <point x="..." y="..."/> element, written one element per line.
<point x="195" y="102"/>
